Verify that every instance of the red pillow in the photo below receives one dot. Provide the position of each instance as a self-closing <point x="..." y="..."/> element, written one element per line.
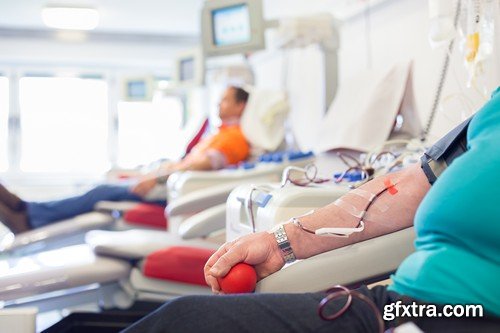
<point x="178" y="263"/>
<point x="147" y="214"/>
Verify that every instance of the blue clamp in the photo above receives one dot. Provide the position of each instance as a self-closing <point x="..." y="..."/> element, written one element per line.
<point x="352" y="176"/>
<point x="247" y="165"/>
<point x="296" y="155"/>
<point x="266" y="158"/>
<point x="277" y="157"/>
<point x="262" y="199"/>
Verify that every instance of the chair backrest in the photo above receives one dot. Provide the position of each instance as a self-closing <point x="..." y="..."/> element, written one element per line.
<point x="263" y="122"/>
<point x="194" y="141"/>
<point x="364" y="113"/>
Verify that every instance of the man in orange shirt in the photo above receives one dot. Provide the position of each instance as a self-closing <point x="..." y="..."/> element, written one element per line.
<point x="227" y="146"/>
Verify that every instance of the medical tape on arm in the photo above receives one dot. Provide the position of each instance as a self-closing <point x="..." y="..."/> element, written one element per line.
<point x="363" y="215"/>
<point x="375" y="210"/>
<point x="336" y="231"/>
<point x="370" y="197"/>
<point x="391" y="188"/>
<point x="349" y="208"/>
<point x="352" y="210"/>
<point x="340" y="232"/>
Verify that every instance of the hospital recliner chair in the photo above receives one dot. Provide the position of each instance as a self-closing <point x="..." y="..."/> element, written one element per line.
<point x="136" y="273"/>
<point x="126" y="215"/>
<point x="271" y="165"/>
<point x="107" y="214"/>
<point x="382" y="254"/>
<point x="253" y="208"/>
<point x="158" y="278"/>
<point x="63" y="276"/>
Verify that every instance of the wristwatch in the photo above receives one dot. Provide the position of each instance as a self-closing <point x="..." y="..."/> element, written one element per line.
<point x="283" y="244"/>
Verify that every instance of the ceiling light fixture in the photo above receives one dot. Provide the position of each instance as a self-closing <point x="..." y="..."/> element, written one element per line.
<point x="71" y="18"/>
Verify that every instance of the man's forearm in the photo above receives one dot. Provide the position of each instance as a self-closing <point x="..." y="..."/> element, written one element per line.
<point x="200" y="162"/>
<point x="389" y="212"/>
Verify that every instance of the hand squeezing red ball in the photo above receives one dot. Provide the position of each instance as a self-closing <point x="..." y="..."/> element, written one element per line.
<point x="240" y="279"/>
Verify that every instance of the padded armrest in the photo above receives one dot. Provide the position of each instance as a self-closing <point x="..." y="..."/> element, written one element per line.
<point x="347" y="265"/>
<point x="178" y="263"/>
<point x="159" y="192"/>
<point x="147" y="215"/>
<point x="204" y="223"/>
<point x="160" y="290"/>
<point x="63" y="268"/>
<point x="115" y="206"/>
<point x="136" y="244"/>
<point x="182" y="183"/>
<point x="201" y="199"/>
<point x="80" y="223"/>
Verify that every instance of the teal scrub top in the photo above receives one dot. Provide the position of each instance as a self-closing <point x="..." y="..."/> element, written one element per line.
<point x="457" y="258"/>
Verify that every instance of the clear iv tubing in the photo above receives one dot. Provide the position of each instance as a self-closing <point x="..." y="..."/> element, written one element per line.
<point x="249" y="204"/>
<point x="310" y="172"/>
<point x="442" y="78"/>
<point x="339" y="291"/>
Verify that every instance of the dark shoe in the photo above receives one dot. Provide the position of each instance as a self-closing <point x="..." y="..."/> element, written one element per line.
<point x="11" y="200"/>
<point x="17" y="222"/>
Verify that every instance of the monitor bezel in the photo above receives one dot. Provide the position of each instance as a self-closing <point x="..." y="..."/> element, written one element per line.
<point x="257" y="28"/>
<point x="199" y="68"/>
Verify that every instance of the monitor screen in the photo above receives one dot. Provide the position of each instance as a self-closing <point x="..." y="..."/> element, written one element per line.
<point x="231" y="25"/>
<point x="187" y="69"/>
<point x="137" y="89"/>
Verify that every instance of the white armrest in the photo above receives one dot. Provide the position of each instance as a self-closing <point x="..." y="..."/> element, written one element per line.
<point x="136" y="244"/>
<point x="80" y="223"/>
<point x="23" y="319"/>
<point x="63" y="268"/>
<point x="204" y="223"/>
<point x="280" y="206"/>
<point x="159" y="192"/>
<point x="354" y="263"/>
<point x="149" y="289"/>
<point x="201" y="199"/>
<point x="182" y="183"/>
<point x="113" y="206"/>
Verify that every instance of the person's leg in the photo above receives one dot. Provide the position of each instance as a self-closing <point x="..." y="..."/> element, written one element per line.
<point x="16" y="221"/>
<point x="458" y="325"/>
<point x="260" y="313"/>
<point x="11" y="200"/>
<point x="43" y="213"/>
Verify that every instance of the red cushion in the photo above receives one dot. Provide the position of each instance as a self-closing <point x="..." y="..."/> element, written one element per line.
<point x="147" y="214"/>
<point x="178" y="263"/>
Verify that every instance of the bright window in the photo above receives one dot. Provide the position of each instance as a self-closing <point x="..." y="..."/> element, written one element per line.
<point x="64" y="125"/>
<point x="4" y="122"/>
<point x="149" y="131"/>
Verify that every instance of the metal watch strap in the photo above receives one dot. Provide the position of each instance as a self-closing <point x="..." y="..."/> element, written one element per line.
<point x="284" y="244"/>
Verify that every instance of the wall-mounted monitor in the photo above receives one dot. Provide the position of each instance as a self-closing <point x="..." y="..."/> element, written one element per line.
<point x="137" y="88"/>
<point x="232" y="26"/>
<point x="190" y="68"/>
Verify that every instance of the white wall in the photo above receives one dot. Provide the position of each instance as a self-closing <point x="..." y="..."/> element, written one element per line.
<point x="399" y="31"/>
<point x="156" y="57"/>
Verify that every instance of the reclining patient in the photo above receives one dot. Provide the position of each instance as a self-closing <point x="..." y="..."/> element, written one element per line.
<point x="227" y="146"/>
<point x="453" y="198"/>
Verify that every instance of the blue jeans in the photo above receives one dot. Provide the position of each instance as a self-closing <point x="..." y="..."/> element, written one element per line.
<point x="277" y="313"/>
<point x="43" y="213"/>
<point x="293" y="313"/>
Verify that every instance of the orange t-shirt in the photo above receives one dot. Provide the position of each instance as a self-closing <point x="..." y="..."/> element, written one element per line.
<point x="229" y="141"/>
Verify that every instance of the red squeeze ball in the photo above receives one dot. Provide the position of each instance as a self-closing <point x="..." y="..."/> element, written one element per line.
<point x="240" y="279"/>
